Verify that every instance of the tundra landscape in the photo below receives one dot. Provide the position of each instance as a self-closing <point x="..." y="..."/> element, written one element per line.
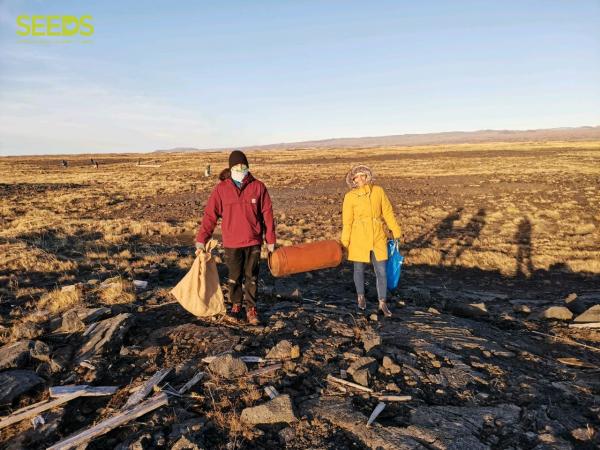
<point x="494" y="340"/>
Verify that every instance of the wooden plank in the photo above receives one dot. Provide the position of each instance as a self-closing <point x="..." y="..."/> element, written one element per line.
<point x="87" y="391"/>
<point x="348" y="383"/>
<point x="394" y="398"/>
<point x="585" y="325"/>
<point x="567" y="340"/>
<point x="146" y="388"/>
<point x="192" y="382"/>
<point x="265" y="370"/>
<point x="113" y="422"/>
<point x="36" y="408"/>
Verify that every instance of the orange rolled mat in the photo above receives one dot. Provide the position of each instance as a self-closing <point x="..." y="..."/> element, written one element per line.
<point x="305" y="257"/>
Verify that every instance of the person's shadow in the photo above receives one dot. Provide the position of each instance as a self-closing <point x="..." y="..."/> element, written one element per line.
<point x="522" y="238"/>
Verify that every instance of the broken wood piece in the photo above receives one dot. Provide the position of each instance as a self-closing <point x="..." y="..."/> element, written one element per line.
<point x="569" y="341"/>
<point x="192" y="382"/>
<point x="87" y="391"/>
<point x="105" y="426"/>
<point x="394" y="398"/>
<point x="585" y="325"/>
<point x="146" y="388"/>
<point x="246" y="359"/>
<point x="36" y="408"/>
<point x="348" y="383"/>
<point x="271" y="392"/>
<point x="574" y="362"/>
<point x="264" y="370"/>
<point x="380" y="406"/>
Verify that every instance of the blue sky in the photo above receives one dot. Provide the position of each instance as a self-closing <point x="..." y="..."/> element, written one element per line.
<point x="163" y="74"/>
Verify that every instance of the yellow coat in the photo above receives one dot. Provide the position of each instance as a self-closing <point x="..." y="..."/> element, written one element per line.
<point x="364" y="212"/>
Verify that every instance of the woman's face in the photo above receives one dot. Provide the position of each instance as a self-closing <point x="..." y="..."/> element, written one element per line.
<point x="360" y="179"/>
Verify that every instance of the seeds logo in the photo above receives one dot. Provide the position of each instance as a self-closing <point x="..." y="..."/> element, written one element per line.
<point x="54" y="25"/>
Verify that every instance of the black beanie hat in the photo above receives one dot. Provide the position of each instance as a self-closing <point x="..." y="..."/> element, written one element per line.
<point x="237" y="157"/>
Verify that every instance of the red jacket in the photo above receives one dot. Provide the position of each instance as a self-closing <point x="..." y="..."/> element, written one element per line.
<point x="246" y="213"/>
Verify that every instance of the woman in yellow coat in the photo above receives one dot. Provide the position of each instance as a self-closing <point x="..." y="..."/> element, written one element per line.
<point x="366" y="208"/>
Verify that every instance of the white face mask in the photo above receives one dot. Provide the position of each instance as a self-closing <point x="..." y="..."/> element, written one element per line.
<point x="238" y="174"/>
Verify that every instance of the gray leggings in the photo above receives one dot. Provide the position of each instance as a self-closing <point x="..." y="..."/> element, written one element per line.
<point x="359" y="277"/>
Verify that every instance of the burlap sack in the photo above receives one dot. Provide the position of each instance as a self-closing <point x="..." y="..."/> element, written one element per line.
<point x="199" y="290"/>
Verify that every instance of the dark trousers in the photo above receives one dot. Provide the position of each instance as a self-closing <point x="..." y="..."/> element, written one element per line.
<point x="243" y="265"/>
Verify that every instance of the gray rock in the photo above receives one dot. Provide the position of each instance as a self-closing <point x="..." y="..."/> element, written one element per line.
<point x="591" y="315"/>
<point x="556" y="313"/>
<point x="391" y="366"/>
<point x="228" y="367"/>
<point x="284" y="350"/>
<point x="107" y="335"/>
<point x="183" y="443"/>
<point x="15" y="382"/>
<point x="469" y="310"/>
<point x="287" y="435"/>
<point x="370" y="339"/>
<point x="18" y="354"/>
<point x="521" y="308"/>
<point x="278" y="410"/>
<point x="362" y="369"/>
<point x="71" y="323"/>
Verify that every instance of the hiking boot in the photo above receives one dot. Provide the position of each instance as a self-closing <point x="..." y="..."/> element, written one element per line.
<point x="384" y="309"/>
<point x="235" y="312"/>
<point x="362" y="302"/>
<point x="252" y="316"/>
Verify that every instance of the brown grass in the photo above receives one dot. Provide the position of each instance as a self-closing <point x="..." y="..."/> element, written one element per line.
<point x="116" y="291"/>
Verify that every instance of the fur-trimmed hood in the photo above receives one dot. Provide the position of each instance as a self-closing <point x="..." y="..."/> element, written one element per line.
<point x="356" y="170"/>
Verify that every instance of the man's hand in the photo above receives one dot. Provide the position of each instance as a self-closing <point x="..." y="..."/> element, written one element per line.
<point x="270" y="248"/>
<point x="200" y="248"/>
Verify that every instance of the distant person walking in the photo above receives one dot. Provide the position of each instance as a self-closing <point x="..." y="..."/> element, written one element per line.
<point x="366" y="208"/>
<point x="207" y="171"/>
<point x="244" y="206"/>
<point x="64" y="163"/>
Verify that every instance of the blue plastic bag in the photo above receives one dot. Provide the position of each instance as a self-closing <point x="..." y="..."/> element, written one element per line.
<point x="394" y="264"/>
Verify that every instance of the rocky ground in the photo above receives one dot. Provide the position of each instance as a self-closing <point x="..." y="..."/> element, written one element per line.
<point x="477" y="372"/>
<point x="483" y="351"/>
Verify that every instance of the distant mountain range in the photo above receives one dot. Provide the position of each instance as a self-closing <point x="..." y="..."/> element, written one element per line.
<point x="451" y="137"/>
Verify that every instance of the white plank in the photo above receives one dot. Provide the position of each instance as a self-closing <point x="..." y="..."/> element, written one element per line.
<point x="147" y="388"/>
<point x="348" y="383"/>
<point x="113" y="422"/>
<point x="87" y="391"/>
<point x="192" y="382"/>
<point x="35" y="409"/>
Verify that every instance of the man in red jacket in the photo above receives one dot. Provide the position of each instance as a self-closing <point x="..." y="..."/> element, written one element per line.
<point x="244" y="206"/>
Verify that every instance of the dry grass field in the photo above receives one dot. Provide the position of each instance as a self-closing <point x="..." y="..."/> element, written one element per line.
<point x="510" y="224"/>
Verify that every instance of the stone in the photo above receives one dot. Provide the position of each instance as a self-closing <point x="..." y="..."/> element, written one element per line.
<point x="469" y="310"/>
<point x="373" y="317"/>
<point x="278" y="410"/>
<point x="287" y="435"/>
<point x="362" y="369"/>
<point x="15" y="382"/>
<point x="227" y="366"/>
<point x="591" y="315"/>
<point x="107" y="335"/>
<point x="284" y="350"/>
<point x="18" y="354"/>
<point x="391" y="366"/>
<point x="71" y="323"/>
<point x="183" y="443"/>
<point x="370" y="339"/>
<point x="582" y="302"/>
<point x="556" y="313"/>
<point x="583" y="434"/>
<point x="521" y="309"/>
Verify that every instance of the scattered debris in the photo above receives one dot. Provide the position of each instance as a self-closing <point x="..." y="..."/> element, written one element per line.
<point x="333" y="379"/>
